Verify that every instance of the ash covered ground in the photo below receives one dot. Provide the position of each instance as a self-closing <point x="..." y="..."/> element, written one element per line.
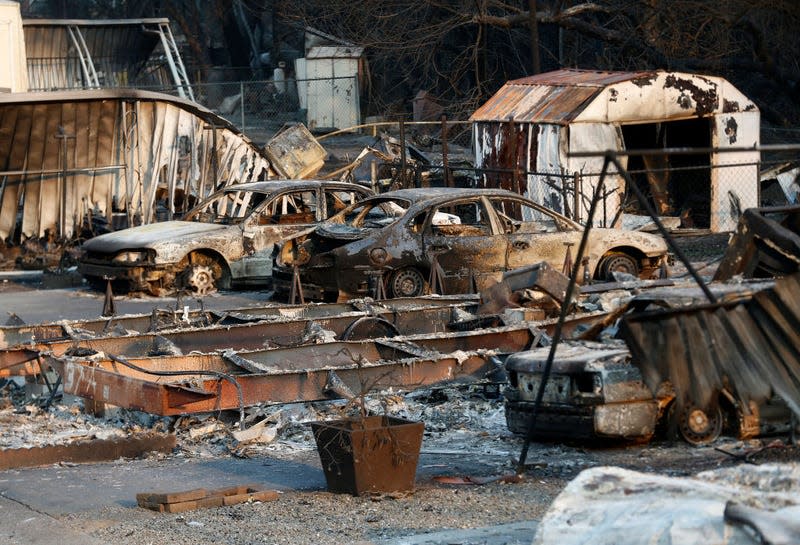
<point x="465" y="435"/>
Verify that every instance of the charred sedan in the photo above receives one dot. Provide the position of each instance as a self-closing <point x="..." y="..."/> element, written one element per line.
<point x="228" y="238"/>
<point x="466" y="237"/>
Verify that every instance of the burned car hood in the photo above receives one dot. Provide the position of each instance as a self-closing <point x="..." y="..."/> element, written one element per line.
<point x="148" y="236"/>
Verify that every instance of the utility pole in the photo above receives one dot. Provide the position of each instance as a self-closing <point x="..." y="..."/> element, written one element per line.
<point x="534" y="24"/>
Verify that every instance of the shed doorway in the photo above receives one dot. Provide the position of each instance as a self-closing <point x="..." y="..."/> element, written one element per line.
<point x="676" y="185"/>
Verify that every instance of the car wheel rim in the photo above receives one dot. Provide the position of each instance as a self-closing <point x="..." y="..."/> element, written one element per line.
<point x="620" y="263"/>
<point x="700" y="427"/>
<point x="201" y="279"/>
<point x="407" y="283"/>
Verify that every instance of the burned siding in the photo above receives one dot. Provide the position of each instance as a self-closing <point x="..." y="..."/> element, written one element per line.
<point x="133" y="156"/>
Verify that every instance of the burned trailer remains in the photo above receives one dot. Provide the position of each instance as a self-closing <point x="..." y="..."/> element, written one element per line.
<point x="73" y="159"/>
<point x="243" y="336"/>
<point x="733" y="361"/>
<point x="766" y="244"/>
<point x="163" y="320"/>
<point x="593" y="392"/>
<point x="527" y="135"/>
<point x="341" y="369"/>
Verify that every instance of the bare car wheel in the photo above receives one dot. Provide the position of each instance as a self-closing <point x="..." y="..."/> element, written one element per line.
<point x="202" y="275"/>
<point x="622" y="263"/>
<point x="699" y="426"/>
<point x="406" y="283"/>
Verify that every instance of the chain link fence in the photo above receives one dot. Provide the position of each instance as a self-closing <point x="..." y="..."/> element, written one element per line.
<point x="262" y="107"/>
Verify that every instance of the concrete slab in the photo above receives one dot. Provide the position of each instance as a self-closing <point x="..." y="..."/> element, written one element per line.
<point x="516" y="533"/>
<point x="22" y="525"/>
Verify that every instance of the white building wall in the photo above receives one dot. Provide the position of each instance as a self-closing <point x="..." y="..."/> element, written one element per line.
<point x="13" y="65"/>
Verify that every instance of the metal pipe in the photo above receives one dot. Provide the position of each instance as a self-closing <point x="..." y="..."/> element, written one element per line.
<point x="403" y="152"/>
<point x="573" y="280"/>
<point x="683" y="151"/>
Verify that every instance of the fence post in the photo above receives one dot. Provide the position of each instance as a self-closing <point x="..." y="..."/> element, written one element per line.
<point x="514" y="158"/>
<point x="576" y="187"/>
<point x="403" y="151"/>
<point x="445" y="160"/>
<point x="241" y="103"/>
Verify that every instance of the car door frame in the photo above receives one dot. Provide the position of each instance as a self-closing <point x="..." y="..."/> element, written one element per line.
<point x="471" y="251"/>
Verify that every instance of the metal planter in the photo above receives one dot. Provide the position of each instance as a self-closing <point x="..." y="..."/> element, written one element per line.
<point x="368" y="455"/>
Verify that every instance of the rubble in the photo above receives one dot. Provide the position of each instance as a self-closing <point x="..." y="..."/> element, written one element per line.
<point x="609" y="505"/>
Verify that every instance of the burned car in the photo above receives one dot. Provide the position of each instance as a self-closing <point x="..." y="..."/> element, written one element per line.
<point x="226" y="239"/>
<point x="592" y="393"/>
<point x="466" y="237"/>
<point x="597" y="392"/>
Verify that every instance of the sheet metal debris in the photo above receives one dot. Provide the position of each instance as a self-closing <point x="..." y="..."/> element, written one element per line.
<point x="172" y="385"/>
<point x="740" y="352"/>
<point x="95" y="450"/>
<point x="242" y="336"/>
<point x="766" y="244"/>
<point x="17" y="332"/>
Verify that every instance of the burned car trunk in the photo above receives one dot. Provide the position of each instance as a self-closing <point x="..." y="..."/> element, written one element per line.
<point x="593" y="392"/>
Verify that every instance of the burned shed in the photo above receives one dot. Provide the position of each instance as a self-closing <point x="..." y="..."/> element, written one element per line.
<point x="130" y="157"/>
<point x="525" y="134"/>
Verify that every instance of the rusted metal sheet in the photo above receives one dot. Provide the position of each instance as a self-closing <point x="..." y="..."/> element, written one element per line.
<point x="170" y="319"/>
<point x="71" y="157"/>
<point x="749" y="348"/>
<point x="305" y="373"/>
<point x="525" y="102"/>
<point x="766" y="244"/>
<point x="95" y="450"/>
<point x="248" y="336"/>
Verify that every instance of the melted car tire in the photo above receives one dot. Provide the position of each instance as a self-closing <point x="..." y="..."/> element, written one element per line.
<point x="407" y="282"/>
<point x="618" y="263"/>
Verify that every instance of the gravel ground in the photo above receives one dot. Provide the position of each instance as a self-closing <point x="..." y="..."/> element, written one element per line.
<point x="465" y="435"/>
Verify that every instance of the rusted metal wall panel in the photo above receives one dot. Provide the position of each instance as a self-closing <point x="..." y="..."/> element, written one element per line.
<point x="122" y="148"/>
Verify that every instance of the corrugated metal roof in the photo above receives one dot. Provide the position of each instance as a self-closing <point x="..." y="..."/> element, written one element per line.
<point x="574" y="77"/>
<point x="119" y="50"/>
<point x="554" y="97"/>
<point x="540" y="103"/>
